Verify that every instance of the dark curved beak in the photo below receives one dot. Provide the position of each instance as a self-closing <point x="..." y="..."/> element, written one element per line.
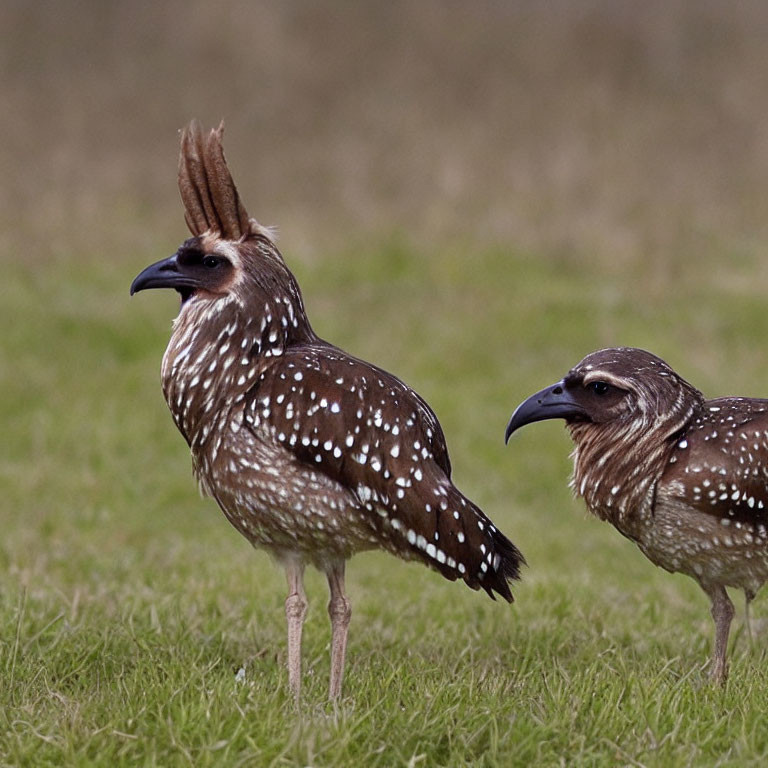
<point x="553" y="402"/>
<point x="163" y="274"/>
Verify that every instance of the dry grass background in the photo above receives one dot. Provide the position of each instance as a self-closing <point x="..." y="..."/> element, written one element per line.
<point x="635" y="131"/>
<point x="473" y="195"/>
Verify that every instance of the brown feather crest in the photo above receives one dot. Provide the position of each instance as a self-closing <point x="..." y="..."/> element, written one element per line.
<point x="210" y="197"/>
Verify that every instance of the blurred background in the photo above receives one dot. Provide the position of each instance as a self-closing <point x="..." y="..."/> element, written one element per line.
<point x="472" y="195"/>
<point x="632" y="131"/>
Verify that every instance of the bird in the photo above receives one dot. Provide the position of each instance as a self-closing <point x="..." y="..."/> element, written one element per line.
<point x="312" y="454"/>
<point x="684" y="477"/>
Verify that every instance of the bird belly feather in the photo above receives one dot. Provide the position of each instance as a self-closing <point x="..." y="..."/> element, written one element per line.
<point x="682" y="540"/>
<point x="279" y="504"/>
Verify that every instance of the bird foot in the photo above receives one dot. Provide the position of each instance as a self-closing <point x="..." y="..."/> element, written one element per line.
<point x="718" y="674"/>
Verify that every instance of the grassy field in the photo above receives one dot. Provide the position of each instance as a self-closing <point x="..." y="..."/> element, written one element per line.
<point x="128" y="605"/>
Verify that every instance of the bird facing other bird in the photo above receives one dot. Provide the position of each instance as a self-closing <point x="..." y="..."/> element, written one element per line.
<point x="312" y="454"/>
<point x="683" y="477"/>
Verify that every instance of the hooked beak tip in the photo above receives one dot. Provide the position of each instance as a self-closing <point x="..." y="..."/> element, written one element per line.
<point x="162" y="274"/>
<point x="551" y="403"/>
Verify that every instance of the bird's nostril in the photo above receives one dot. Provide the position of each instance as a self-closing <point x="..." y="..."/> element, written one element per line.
<point x="557" y="390"/>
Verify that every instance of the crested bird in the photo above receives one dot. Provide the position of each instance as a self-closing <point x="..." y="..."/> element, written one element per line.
<point x="683" y="477"/>
<point x="311" y="453"/>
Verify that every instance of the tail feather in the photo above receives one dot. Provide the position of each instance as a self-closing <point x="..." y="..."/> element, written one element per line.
<point x="449" y="533"/>
<point x="494" y="561"/>
<point x="508" y="570"/>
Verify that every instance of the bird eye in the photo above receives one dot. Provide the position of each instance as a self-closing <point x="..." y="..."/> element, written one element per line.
<point x="599" y="387"/>
<point x="211" y="262"/>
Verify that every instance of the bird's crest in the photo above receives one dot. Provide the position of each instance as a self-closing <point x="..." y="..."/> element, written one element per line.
<point x="208" y="192"/>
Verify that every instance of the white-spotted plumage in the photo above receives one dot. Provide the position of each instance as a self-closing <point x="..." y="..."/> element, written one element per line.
<point x="310" y="452"/>
<point x="683" y="477"/>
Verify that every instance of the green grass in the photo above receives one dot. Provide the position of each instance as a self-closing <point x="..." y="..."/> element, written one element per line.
<point x="128" y="604"/>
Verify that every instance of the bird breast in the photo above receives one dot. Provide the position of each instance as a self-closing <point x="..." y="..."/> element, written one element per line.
<point x="616" y="468"/>
<point x="215" y="355"/>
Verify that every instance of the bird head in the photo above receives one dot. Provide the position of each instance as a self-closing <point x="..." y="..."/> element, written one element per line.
<point x="624" y="408"/>
<point x="231" y="258"/>
<point x="610" y="388"/>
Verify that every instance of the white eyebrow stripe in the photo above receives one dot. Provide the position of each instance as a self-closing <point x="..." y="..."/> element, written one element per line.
<point x="609" y="378"/>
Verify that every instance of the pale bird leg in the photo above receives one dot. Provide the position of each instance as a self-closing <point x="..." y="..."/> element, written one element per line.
<point x="340" y="612"/>
<point x="722" y="614"/>
<point x="749" y="596"/>
<point x="295" y="612"/>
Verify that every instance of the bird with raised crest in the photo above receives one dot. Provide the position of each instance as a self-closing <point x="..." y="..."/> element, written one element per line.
<point x="683" y="477"/>
<point x="312" y="454"/>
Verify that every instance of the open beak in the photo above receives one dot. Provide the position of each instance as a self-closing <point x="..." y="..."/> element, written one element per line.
<point x="164" y="274"/>
<point x="553" y="402"/>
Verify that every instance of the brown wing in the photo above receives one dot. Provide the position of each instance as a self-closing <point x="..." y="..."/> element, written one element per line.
<point x="720" y="465"/>
<point x="374" y="435"/>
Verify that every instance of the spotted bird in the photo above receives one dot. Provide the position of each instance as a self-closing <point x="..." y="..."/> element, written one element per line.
<point x="312" y="454"/>
<point x="683" y="477"/>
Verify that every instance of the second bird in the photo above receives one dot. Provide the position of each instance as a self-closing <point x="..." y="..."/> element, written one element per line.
<point x="311" y="453"/>
<point x="683" y="477"/>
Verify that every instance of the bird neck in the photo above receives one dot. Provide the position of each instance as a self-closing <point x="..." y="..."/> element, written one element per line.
<point x="218" y="351"/>
<point x="617" y="465"/>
